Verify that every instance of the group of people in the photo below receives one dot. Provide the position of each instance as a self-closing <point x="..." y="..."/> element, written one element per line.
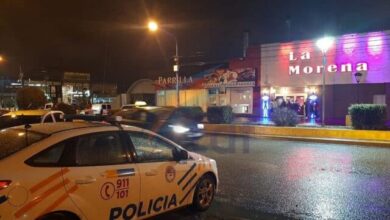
<point x="309" y="108"/>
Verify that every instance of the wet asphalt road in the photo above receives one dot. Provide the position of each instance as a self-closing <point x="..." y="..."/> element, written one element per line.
<point x="279" y="179"/>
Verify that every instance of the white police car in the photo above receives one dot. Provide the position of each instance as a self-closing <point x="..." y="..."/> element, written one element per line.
<point x="94" y="171"/>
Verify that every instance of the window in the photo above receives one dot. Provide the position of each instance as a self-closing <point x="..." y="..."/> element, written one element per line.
<point x="100" y="149"/>
<point x="13" y="140"/>
<point x="48" y="157"/>
<point x="150" y="148"/>
<point x="48" y="119"/>
<point x="380" y="99"/>
<point x="58" y="117"/>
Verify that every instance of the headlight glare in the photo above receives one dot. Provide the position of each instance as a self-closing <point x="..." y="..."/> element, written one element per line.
<point x="179" y="129"/>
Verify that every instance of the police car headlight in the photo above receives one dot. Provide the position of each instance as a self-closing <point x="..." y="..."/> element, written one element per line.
<point x="200" y="126"/>
<point x="179" y="129"/>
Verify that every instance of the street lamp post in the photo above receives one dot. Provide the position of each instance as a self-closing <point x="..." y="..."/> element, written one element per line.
<point x="176" y="69"/>
<point x="153" y="27"/>
<point x="2" y="85"/>
<point x="358" y="77"/>
<point x="324" y="44"/>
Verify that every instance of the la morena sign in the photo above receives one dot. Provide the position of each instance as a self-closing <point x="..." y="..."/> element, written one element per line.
<point x="305" y="68"/>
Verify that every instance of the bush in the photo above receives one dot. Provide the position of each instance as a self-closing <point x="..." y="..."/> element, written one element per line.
<point x="67" y="109"/>
<point x="220" y="114"/>
<point x="284" y="117"/>
<point x="30" y="98"/>
<point x="368" y="116"/>
<point x="192" y="112"/>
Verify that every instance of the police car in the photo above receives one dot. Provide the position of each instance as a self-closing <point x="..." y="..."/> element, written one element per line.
<point x="81" y="170"/>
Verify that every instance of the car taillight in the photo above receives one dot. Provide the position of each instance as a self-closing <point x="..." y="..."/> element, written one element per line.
<point x="4" y="184"/>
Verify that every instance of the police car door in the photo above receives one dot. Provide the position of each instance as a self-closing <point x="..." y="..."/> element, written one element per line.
<point x="107" y="183"/>
<point x="161" y="187"/>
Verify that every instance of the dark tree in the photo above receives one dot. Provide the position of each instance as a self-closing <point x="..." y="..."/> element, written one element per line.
<point x="30" y="98"/>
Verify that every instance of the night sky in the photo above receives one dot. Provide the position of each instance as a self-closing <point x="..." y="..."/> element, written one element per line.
<point x="108" y="36"/>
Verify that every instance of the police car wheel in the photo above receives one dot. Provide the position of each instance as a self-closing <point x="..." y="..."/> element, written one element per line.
<point x="204" y="193"/>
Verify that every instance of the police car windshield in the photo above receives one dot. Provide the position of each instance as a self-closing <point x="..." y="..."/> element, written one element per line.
<point x="14" y="140"/>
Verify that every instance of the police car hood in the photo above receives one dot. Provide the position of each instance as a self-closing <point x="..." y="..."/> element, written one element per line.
<point x="198" y="157"/>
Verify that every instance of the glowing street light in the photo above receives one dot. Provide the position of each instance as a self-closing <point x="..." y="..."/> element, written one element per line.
<point x="152" y="26"/>
<point x="324" y="44"/>
<point x="1" y="59"/>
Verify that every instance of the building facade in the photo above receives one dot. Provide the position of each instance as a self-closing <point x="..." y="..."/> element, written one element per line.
<point x="218" y="86"/>
<point x="357" y="70"/>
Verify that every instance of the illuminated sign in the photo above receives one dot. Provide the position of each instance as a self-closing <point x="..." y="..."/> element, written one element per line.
<point x="298" y="63"/>
<point x="169" y="81"/>
<point x="331" y="68"/>
<point x="213" y="78"/>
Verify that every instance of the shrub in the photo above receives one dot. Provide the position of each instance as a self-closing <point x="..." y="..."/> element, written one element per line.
<point x="192" y="112"/>
<point x="67" y="109"/>
<point x="368" y="116"/>
<point x="30" y="98"/>
<point x="220" y="114"/>
<point x="284" y="117"/>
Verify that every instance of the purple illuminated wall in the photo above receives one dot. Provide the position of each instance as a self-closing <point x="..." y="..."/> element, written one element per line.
<point x="371" y="48"/>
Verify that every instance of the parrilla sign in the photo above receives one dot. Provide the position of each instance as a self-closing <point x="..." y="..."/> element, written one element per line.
<point x="220" y="77"/>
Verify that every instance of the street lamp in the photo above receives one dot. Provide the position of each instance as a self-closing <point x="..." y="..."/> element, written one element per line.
<point x="153" y="27"/>
<point x="358" y="77"/>
<point x="324" y="44"/>
<point x="1" y="59"/>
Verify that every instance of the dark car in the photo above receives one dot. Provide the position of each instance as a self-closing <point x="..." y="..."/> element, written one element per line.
<point x="23" y="117"/>
<point x="3" y="111"/>
<point x="170" y="122"/>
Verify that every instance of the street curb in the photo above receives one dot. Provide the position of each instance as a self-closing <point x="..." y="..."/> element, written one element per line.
<point x="317" y="140"/>
<point x="327" y="135"/>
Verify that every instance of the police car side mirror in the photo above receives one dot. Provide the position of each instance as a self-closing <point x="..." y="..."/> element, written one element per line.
<point x="179" y="154"/>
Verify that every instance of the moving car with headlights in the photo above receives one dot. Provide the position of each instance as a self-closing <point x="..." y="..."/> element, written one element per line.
<point x="23" y="117"/>
<point x="84" y="170"/>
<point x="170" y="122"/>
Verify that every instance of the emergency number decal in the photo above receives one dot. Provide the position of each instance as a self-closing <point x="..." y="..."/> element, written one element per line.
<point x="107" y="191"/>
<point x="119" y="189"/>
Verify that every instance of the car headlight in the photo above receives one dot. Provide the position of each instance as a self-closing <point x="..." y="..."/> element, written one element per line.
<point x="179" y="129"/>
<point x="200" y="126"/>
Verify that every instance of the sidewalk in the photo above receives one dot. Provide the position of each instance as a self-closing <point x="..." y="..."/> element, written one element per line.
<point x="332" y="134"/>
<point x="267" y="122"/>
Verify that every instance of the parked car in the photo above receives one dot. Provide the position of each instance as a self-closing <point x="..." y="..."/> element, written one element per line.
<point x="166" y="121"/>
<point x="86" y="170"/>
<point x="30" y="117"/>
